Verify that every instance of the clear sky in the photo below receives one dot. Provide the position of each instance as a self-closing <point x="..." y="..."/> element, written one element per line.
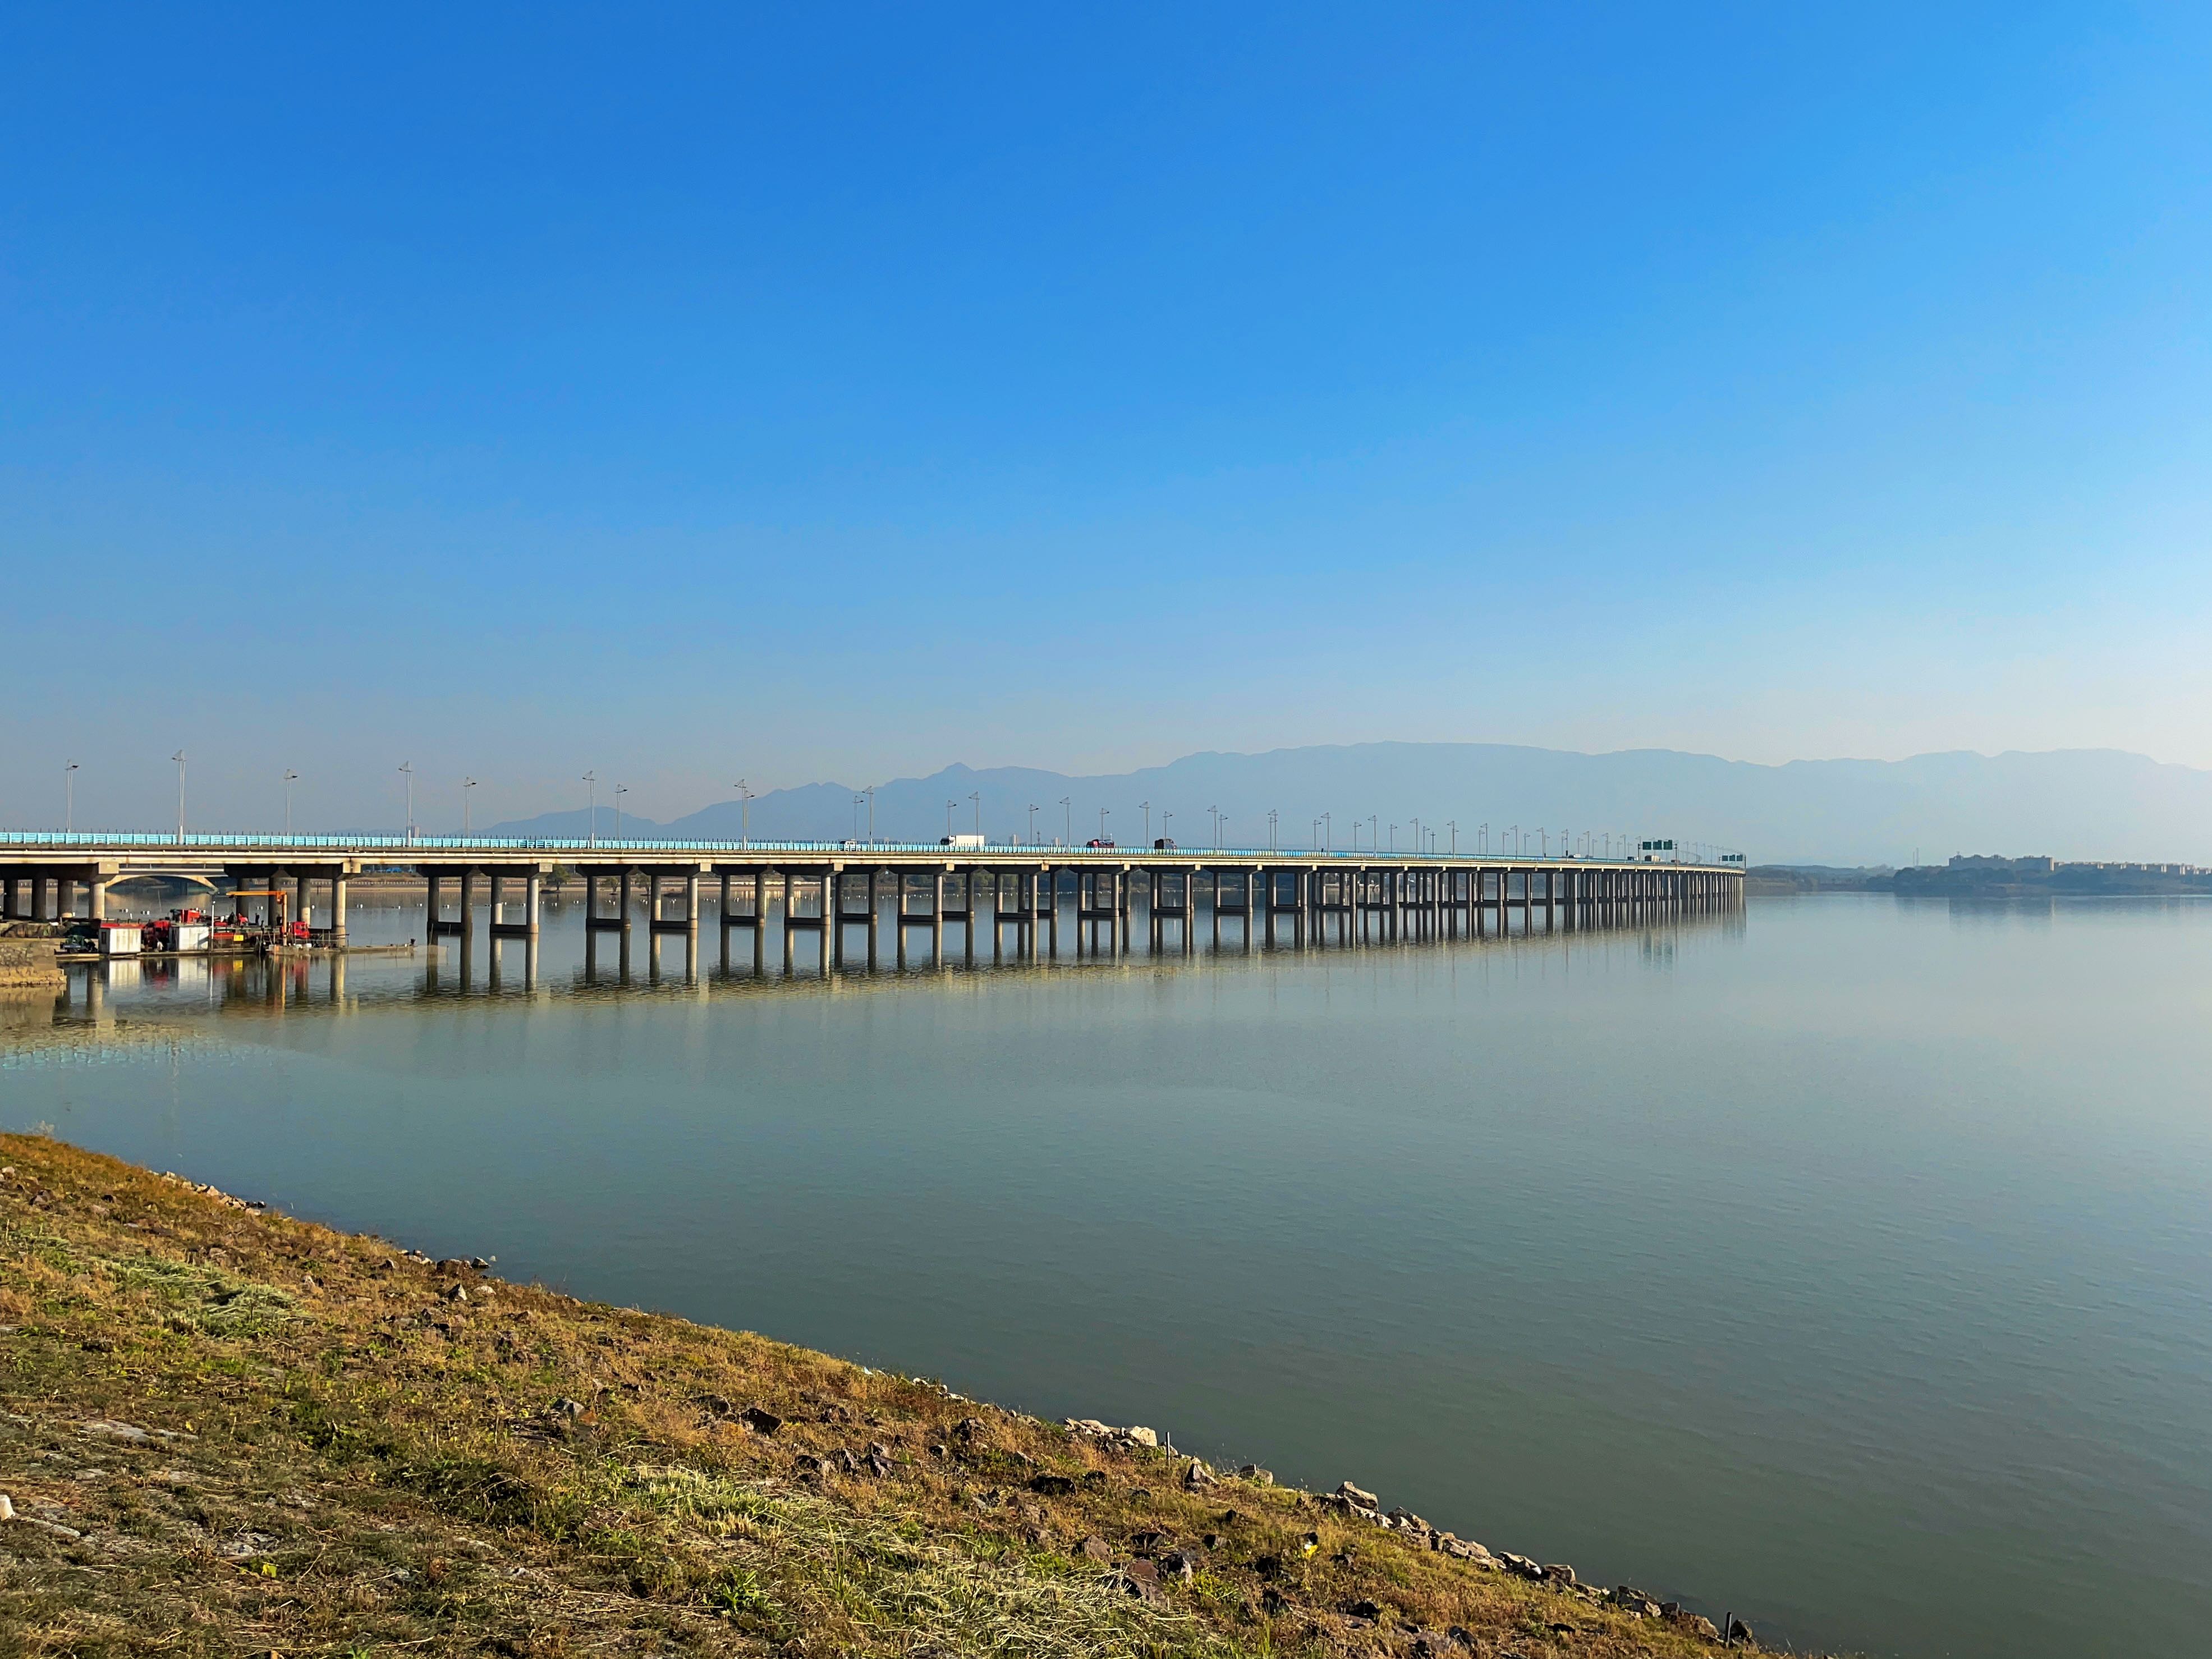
<point x="834" y="392"/>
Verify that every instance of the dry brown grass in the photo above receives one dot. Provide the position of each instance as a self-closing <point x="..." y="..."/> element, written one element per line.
<point x="323" y="1452"/>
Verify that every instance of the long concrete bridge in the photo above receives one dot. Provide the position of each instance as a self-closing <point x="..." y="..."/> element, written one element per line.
<point x="834" y="888"/>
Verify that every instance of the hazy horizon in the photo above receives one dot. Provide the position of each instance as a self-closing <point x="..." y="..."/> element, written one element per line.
<point x="2077" y="803"/>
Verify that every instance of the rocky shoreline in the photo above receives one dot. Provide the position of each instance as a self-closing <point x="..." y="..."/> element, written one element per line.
<point x="226" y="1429"/>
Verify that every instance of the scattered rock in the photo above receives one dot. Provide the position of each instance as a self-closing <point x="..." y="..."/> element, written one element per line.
<point x="968" y="1429"/>
<point x="1274" y="1602"/>
<point x="1738" y="1631"/>
<point x="1697" y="1625"/>
<point x="1128" y="1439"/>
<point x="1363" y="1608"/>
<point x="1214" y="1540"/>
<point x="1358" y="1498"/>
<point x="1520" y="1565"/>
<point x="458" y="1293"/>
<point x="812" y="1468"/>
<point x="128" y="1431"/>
<point x="565" y="1406"/>
<point x="1142" y="1578"/>
<point x="1557" y="1572"/>
<point x="1634" y="1600"/>
<point x="1094" y="1548"/>
<point x="1252" y="1472"/>
<point x="715" y="1405"/>
<point x="1051" y="1486"/>
<point x="1197" y="1475"/>
<point x="760" y="1422"/>
<point x="6" y="1504"/>
<point x="1179" y="1563"/>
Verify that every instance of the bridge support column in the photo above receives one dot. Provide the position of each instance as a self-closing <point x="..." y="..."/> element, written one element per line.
<point x="468" y="905"/>
<point x="532" y="891"/>
<point x="64" y="898"/>
<point x="875" y="912"/>
<point x="38" y="898"/>
<point x="622" y="899"/>
<point x="337" y="908"/>
<point x="691" y="903"/>
<point x="96" y="898"/>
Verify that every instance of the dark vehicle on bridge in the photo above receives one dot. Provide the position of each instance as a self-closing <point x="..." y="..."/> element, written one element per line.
<point x="1100" y="841"/>
<point x="1165" y="844"/>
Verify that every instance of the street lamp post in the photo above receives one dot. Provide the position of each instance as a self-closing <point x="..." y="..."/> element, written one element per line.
<point x="1147" y="807"/>
<point x="467" y="784"/>
<point x="1067" y="818"/>
<point x="407" y="768"/>
<point x="745" y="812"/>
<point x="1272" y="815"/>
<point x="950" y="807"/>
<point x="1217" y="827"/>
<point x="869" y="791"/>
<point x="1328" y="829"/>
<point x="69" y="802"/>
<point x="179" y="758"/>
<point x="621" y="789"/>
<point x="1033" y="813"/>
<point x="1102" y="822"/>
<point x="976" y="796"/>
<point x="591" y="798"/>
<point x="291" y="778"/>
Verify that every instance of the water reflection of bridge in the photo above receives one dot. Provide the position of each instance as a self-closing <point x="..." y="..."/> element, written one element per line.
<point x="1198" y="924"/>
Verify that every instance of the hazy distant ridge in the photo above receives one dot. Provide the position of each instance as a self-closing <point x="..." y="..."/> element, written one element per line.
<point x="2072" y="804"/>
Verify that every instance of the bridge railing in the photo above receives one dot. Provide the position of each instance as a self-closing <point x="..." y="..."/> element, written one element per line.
<point x="399" y="846"/>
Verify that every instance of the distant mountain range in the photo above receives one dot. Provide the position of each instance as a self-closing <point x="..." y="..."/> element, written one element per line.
<point x="2070" y="803"/>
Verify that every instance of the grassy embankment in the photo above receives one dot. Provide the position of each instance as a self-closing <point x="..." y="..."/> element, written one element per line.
<point x="225" y="1431"/>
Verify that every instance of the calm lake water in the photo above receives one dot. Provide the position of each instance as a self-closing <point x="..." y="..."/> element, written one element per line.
<point x="1845" y="1264"/>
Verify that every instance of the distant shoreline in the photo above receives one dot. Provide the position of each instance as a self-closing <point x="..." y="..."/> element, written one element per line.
<point x="1974" y="876"/>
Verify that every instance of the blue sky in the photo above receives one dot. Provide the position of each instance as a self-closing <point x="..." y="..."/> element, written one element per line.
<point x="837" y="392"/>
